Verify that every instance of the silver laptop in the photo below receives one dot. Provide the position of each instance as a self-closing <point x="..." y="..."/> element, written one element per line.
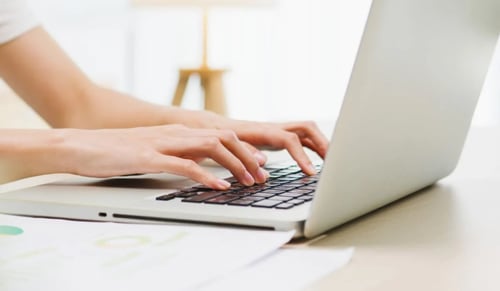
<point x="419" y="71"/>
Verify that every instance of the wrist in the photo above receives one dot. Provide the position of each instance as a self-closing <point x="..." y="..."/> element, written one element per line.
<point x="26" y="153"/>
<point x="193" y="118"/>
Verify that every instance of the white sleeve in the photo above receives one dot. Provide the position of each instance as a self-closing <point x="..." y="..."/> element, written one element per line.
<point x="15" y="19"/>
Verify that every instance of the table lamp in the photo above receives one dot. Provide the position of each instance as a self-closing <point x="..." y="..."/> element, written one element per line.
<point x="211" y="78"/>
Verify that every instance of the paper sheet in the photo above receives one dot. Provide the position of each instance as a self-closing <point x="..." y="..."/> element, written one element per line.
<point x="285" y="269"/>
<point x="47" y="254"/>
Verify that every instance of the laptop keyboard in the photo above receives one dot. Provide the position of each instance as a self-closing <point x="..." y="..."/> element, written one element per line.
<point x="286" y="188"/>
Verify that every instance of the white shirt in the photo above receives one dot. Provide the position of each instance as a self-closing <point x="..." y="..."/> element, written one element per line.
<point x="15" y="19"/>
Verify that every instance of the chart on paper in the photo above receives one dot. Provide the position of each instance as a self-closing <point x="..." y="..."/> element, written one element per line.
<point x="67" y="255"/>
<point x="9" y="230"/>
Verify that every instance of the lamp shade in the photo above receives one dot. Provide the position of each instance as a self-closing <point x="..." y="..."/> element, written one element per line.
<point x="205" y="3"/>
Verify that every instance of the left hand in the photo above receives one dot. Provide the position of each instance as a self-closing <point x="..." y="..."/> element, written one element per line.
<point x="292" y="136"/>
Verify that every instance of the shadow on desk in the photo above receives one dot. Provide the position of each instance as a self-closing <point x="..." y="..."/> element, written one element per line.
<point x="425" y="217"/>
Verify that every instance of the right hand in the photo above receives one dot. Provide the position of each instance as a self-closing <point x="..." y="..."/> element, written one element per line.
<point x="173" y="149"/>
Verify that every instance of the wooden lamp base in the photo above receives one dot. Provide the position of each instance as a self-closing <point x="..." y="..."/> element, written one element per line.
<point x="211" y="82"/>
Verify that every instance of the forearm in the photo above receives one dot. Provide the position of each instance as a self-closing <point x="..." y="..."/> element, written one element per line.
<point x="59" y="91"/>
<point x="26" y="153"/>
<point x="103" y="108"/>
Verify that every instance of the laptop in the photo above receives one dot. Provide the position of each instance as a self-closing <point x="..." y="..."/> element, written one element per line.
<point x="419" y="71"/>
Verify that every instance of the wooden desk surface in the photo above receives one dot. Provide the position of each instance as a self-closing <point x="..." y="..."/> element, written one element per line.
<point x="443" y="238"/>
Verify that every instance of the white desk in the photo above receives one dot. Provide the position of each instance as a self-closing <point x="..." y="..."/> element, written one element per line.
<point x="444" y="238"/>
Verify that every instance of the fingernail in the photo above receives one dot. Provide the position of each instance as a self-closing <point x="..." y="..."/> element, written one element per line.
<point x="248" y="180"/>
<point x="224" y="184"/>
<point x="262" y="175"/>
<point x="312" y="169"/>
<point x="260" y="157"/>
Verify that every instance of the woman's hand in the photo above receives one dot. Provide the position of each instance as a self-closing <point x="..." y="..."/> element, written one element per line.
<point x="112" y="152"/>
<point x="171" y="148"/>
<point x="292" y="136"/>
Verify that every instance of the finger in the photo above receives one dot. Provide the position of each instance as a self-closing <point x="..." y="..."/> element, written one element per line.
<point x="307" y="143"/>
<point x="231" y="141"/>
<point x="277" y="138"/>
<point x="200" y="147"/>
<point x="259" y="155"/>
<point x="222" y="155"/>
<point x="293" y="145"/>
<point x="190" y="169"/>
<point x="309" y="130"/>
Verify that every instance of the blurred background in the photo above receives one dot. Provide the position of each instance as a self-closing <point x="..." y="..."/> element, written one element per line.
<point x="288" y="60"/>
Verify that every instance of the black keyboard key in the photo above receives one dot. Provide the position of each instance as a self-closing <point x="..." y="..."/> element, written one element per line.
<point x="300" y="191"/>
<point x="274" y="191"/>
<point x="246" y="201"/>
<point x="275" y="175"/>
<point x="296" y="176"/>
<point x="276" y="183"/>
<point x="291" y="195"/>
<point x="285" y="206"/>
<point x="305" y="198"/>
<point x="262" y="194"/>
<point x="296" y="202"/>
<point x="222" y="199"/>
<point x="307" y="180"/>
<point x="273" y="168"/>
<point x="237" y="185"/>
<point x="232" y="180"/>
<point x="185" y="190"/>
<point x="244" y="192"/>
<point x="296" y="184"/>
<point x="266" y="203"/>
<point x="286" y="179"/>
<point x="202" y="196"/>
<point x="167" y="197"/>
<point x="199" y="187"/>
<point x="289" y="171"/>
<point x="280" y="198"/>
<point x="309" y="187"/>
<point x="183" y="194"/>
<point x="259" y="188"/>
<point x="236" y="189"/>
<point x="284" y="188"/>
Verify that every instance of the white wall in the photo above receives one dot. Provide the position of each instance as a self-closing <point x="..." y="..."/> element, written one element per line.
<point x="294" y="57"/>
<point x="92" y="32"/>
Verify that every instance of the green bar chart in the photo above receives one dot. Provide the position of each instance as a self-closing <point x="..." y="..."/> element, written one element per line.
<point x="7" y="230"/>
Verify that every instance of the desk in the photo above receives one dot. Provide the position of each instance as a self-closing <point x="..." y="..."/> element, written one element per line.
<point x="443" y="238"/>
